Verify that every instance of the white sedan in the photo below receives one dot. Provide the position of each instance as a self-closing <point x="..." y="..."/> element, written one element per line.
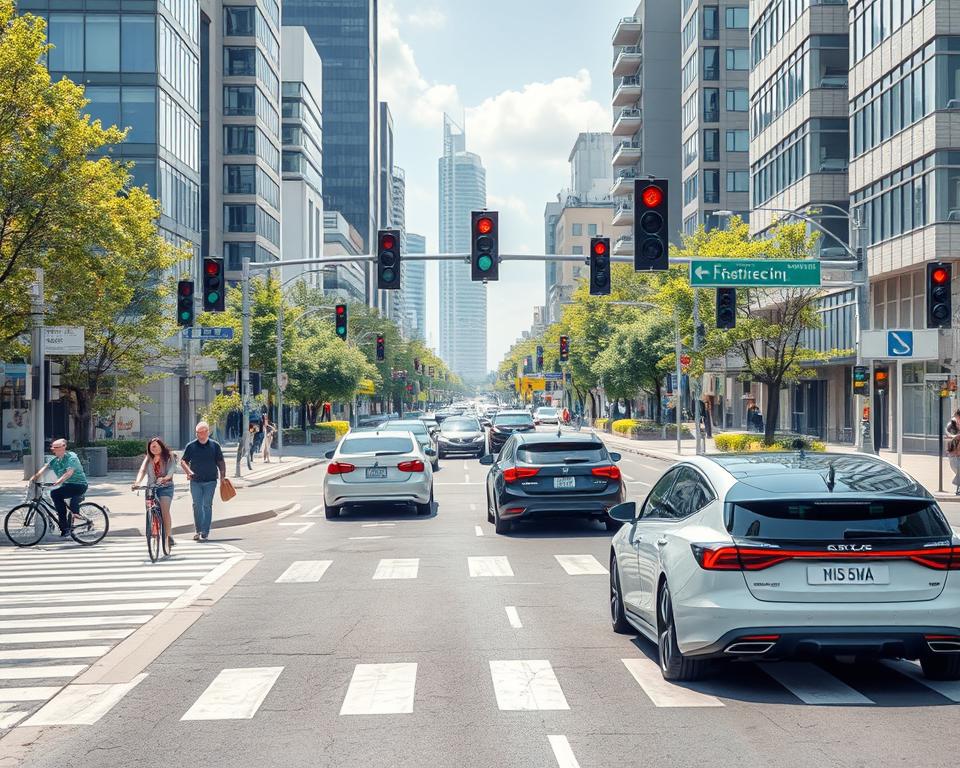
<point x="546" y="415"/>
<point x="787" y="556"/>
<point x="370" y="468"/>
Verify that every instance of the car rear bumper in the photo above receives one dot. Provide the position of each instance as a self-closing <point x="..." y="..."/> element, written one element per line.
<point x="525" y="507"/>
<point x="338" y="493"/>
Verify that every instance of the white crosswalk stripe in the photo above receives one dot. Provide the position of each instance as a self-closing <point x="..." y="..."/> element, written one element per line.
<point x="398" y="568"/>
<point x="235" y="694"/>
<point x="62" y="607"/>
<point x="381" y="689"/>
<point x="480" y="567"/>
<point x="813" y="685"/>
<point x="663" y="693"/>
<point x="304" y="571"/>
<point x="580" y="565"/>
<point x="526" y="685"/>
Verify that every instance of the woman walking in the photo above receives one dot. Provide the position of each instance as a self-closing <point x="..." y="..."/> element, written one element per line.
<point x="952" y="432"/>
<point x="158" y="467"/>
<point x="268" y="432"/>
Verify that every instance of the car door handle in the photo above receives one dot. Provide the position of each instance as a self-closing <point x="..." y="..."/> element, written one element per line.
<point x="661" y="542"/>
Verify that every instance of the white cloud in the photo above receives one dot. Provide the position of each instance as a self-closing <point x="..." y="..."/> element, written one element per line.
<point x="426" y="18"/>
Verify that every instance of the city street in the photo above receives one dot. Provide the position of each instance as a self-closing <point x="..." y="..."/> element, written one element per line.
<point x="382" y="639"/>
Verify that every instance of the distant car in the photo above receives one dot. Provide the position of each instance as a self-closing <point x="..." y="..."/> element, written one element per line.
<point x="539" y="474"/>
<point x="461" y="435"/>
<point x="505" y="424"/>
<point x="418" y="429"/>
<point x="787" y="556"/>
<point x="370" y="468"/>
<point x="446" y="413"/>
<point x="546" y="415"/>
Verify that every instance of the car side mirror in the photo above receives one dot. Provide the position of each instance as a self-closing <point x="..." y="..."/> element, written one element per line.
<point x="328" y="455"/>
<point x="625" y="512"/>
<point x="615" y="456"/>
<point x="429" y="452"/>
<point x="487" y="460"/>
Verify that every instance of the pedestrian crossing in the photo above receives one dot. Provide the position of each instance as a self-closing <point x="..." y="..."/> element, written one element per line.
<point x="63" y="606"/>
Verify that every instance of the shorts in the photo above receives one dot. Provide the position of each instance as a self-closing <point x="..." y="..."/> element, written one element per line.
<point x="164" y="492"/>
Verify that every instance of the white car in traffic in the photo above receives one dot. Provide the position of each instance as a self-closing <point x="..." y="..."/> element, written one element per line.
<point x="546" y="415"/>
<point x="787" y="556"/>
<point x="375" y="468"/>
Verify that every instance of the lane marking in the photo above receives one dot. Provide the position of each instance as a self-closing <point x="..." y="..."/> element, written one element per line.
<point x="812" y="684"/>
<point x="82" y="704"/>
<point x="562" y="752"/>
<point x="651" y="468"/>
<point x="640" y="482"/>
<point x="526" y="685"/>
<point x="57" y="609"/>
<point x="68" y="587"/>
<point x="478" y="530"/>
<point x="476" y="483"/>
<point x="301" y="528"/>
<point x="10" y="719"/>
<point x="32" y="673"/>
<point x="381" y="689"/>
<point x="473" y="507"/>
<point x="33" y="693"/>
<point x="513" y="617"/>
<point x="303" y="571"/>
<point x="43" y="654"/>
<point x="379" y="525"/>
<point x="68" y="635"/>
<point x="112" y="575"/>
<point x="366" y="538"/>
<point x="112" y="595"/>
<point x="397" y="568"/>
<point x="662" y="692"/>
<point x="234" y="694"/>
<point x="482" y="567"/>
<point x="949" y="689"/>
<point x="84" y="621"/>
<point x="581" y="565"/>
<point x="627" y="477"/>
<point x="315" y="512"/>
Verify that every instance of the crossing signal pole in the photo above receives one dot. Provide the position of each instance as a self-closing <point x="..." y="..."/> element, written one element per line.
<point x="600" y="266"/>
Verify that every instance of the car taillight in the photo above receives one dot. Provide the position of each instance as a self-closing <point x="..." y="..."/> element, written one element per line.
<point x="339" y="468"/>
<point x="512" y="474"/>
<point x="410" y="466"/>
<point x="724" y="557"/>
<point x="611" y="472"/>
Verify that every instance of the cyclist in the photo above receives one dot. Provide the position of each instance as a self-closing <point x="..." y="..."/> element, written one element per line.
<point x="158" y="466"/>
<point x="71" y="483"/>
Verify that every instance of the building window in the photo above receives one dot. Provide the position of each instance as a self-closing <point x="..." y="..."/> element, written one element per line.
<point x="711" y="186"/>
<point x="738" y="141"/>
<point x="782" y="166"/>
<point x="239" y="179"/>
<point x="876" y="20"/>
<point x="690" y="149"/>
<point x="65" y="33"/>
<point x="240" y="140"/>
<point x="239" y="100"/>
<point x="689" y="111"/>
<point x="689" y="35"/>
<point x="711" y="22"/>
<point x="689" y="73"/>
<point x="240" y="218"/>
<point x="738" y="18"/>
<point x="737" y="100"/>
<point x="576" y="229"/>
<point x="238" y="21"/>
<point x="711" y="146"/>
<point x="711" y="105"/>
<point x="138" y="43"/>
<point x="592" y="230"/>
<point x="138" y="111"/>
<point x="103" y="43"/>
<point x="577" y="250"/>
<point x="104" y="104"/>
<point x="239" y="62"/>
<point x="737" y="59"/>
<point x="711" y="63"/>
<point x="738" y="181"/>
<point x="690" y="189"/>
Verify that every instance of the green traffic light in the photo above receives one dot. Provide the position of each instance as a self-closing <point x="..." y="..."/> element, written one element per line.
<point x="213" y="298"/>
<point x="185" y="315"/>
<point x="484" y="263"/>
<point x="388" y="275"/>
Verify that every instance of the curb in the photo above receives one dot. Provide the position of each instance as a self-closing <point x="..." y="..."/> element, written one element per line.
<point x="226" y="522"/>
<point x="241" y="482"/>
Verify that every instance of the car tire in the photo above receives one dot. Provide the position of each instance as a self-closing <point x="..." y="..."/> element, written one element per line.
<point x="435" y="466"/>
<point x="331" y="513"/>
<point x="500" y="525"/>
<point x="617" y="613"/>
<point x="425" y="509"/>
<point x="674" y="665"/>
<point x="940" y="666"/>
<point x="490" y="517"/>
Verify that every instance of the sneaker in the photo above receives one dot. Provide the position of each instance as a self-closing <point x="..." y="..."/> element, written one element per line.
<point x="196" y="537"/>
<point x="171" y="543"/>
<point x="203" y="536"/>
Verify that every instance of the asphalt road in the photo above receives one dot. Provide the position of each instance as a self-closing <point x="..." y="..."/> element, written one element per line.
<point x="418" y="663"/>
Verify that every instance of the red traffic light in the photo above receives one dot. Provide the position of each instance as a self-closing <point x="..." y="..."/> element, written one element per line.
<point x="186" y="288"/>
<point x="940" y="276"/>
<point x="485" y="225"/>
<point x="600" y="248"/>
<point x="387" y="242"/>
<point x="341" y="309"/>
<point x="212" y="267"/>
<point x="880" y="375"/>
<point x="652" y="197"/>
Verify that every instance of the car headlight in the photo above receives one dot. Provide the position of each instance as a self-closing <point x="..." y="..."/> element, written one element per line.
<point x="478" y="438"/>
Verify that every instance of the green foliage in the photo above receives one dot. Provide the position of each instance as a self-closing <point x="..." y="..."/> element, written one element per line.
<point x="745" y="442"/>
<point x="601" y="423"/>
<point x="216" y="412"/>
<point x="642" y="428"/>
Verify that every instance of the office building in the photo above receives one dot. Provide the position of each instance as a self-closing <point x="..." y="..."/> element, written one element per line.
<point x="398" y="220"/>
<point x="715" y="69"/>
<point x="646" y="107"/>
<point x="340" y="238"/>
<point x="463" y="302"/>
<point x="390" y="214"/>
<point x="302" y="159"/>
<point x="415" y="289"/>
<point x="344" y="33"/>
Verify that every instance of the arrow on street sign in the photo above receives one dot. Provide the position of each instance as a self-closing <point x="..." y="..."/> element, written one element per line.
<point x="754" y="273"/>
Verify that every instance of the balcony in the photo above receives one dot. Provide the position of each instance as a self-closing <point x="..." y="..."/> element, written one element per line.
<point x="628" y="31"/>
<point x="627" y="91"/>
<point x="628" y="122"/>
<point x="623" y="183"/>
<point x="627" y="153"/>
<point x="623" y="216"/>
<point x="627" y="60"/>
<point x="623" y="246"/>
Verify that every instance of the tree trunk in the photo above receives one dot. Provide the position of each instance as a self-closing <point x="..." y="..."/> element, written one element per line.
<point x="629" y="408"/>
<point x="657" y="405"/>
<point x="771" y="412"/>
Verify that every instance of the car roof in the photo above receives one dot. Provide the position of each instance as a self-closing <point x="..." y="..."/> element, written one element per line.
<point x="406" y="422"/>
<point x="514" y="412"/>
<point x="532" y="438"/>
<point x="795" y="473"/>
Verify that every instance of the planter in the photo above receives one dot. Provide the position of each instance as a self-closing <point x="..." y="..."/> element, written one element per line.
<point x="123" y="463"/>
<point x="94" y="460"/>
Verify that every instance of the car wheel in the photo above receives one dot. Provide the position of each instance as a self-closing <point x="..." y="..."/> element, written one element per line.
<point x="673" y="664"/>
<point x="611" y="524"/>
<point x="500" y="525"/>
<point x="617" y="614"/>
<point x="490" y="517"/>
<point x="436" y="465"/>
<point x="425" y="509"/>
<point x="331" y="513"/>
<point x="940" y="666"/>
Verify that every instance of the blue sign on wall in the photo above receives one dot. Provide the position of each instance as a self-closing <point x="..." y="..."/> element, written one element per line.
<point x="900" y="343"/>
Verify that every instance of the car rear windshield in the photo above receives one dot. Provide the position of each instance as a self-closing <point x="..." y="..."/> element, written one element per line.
<point x="837" y="521"/>
<point x="547" y="411"/>
<point x="354" y="445"/>
<point x="562" y="453"/>
<point x="513" y="419"/>
<point x="418" y="428"/>
<point x="460" y="425"/>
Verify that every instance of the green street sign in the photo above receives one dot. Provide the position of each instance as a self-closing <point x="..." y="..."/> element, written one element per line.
<point x="754" y="273"/>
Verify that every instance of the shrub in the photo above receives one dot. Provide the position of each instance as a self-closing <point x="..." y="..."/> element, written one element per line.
<point x="601" y="423"/>
<point x="329" y="431"/>
<point x="751" y="443"/>
<point x="121" y="448"/>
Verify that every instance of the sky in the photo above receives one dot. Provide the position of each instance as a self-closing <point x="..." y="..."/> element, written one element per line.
<point x="526" y="76"/>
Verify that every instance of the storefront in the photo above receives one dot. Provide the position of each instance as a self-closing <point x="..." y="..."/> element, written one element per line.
<point x="14" y="407"/>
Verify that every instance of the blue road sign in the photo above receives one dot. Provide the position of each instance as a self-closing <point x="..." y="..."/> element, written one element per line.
<point x="900" y="343"/>
<point x="551" y="376"/>
<point x="208" y="334"/>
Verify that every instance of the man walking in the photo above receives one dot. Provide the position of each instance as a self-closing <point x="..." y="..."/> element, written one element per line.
<point x="203" y="463"/>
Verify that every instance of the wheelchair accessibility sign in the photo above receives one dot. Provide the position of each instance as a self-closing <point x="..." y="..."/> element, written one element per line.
<point x="900" y="343"/>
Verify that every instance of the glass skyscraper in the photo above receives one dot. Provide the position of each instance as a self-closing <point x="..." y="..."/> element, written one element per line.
<point x="415" y="289"/>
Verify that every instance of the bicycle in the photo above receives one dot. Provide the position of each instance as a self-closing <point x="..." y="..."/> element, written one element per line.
<point x="158" y="537"/>
<point x="27" y="523"/>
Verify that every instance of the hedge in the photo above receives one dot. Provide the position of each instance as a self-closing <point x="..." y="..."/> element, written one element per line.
<point x="327" y="432"/>
<point x="752" y="443"/>
<point x="122" y="448"/>
<point x="601" y="423"/>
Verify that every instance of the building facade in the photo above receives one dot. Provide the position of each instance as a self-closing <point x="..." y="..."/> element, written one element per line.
<point x="398" y="220"/>
<point x="414" y="281"/>
<point x="646" y="107"/>
<point x="715" y="69"/>
<point x="463" y="302"/>
<point x="302" y="158"/>
<point x="348" y="280"/>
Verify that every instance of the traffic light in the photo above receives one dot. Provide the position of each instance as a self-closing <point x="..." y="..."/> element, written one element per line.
<point x="939" y="298"/>
<point x="726" y="308"/>
<point x="599" y="266"/>
<point x="388" y="259"/>
<point x="340" y="318"/>
<point x="527" y="364"/>
<point x="564" y="349"/>
<point x="213" y="286"/>
<point x="881" y="378"/>
<point x="651" y="227"/>
<point x="539" y="358"/>
<point x="185" y="303"/>
<point x="381" y="349"/>
<point x="484" y="246"/>
<point x="861" y="380"/>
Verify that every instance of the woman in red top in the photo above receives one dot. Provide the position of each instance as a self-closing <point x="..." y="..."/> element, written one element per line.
<point x="158" y="467"/>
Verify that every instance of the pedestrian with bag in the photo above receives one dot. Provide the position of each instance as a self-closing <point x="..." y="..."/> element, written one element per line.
<point x="952" y="432"/>
<point x="158" y="467"/>
<point x="203" y="463"/>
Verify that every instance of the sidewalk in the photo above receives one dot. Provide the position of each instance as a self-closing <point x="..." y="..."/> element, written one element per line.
<point x="127" y="510"/>
<point x="922" y="467"/>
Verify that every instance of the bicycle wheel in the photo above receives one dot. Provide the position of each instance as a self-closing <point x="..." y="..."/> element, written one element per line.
<point x="153" y="529"/>
<point x="25" y="525"/>
<point x="90" y="524"/>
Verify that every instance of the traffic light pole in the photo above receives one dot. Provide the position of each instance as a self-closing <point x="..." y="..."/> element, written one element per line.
<point x="244" y="366"/>
<point x="37" y="388"/>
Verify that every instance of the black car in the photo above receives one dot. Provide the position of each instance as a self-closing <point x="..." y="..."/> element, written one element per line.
<point x="541" y="474"/>
<point x="507" y="423"/>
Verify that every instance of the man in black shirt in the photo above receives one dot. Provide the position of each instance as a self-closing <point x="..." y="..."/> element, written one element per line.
<point x="203" y="463"/>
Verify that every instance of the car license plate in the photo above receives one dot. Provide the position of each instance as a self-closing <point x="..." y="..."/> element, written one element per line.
<point x="564" y="482"/>
<point x="376" y="473"/>
<point x="848" y="574"/>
